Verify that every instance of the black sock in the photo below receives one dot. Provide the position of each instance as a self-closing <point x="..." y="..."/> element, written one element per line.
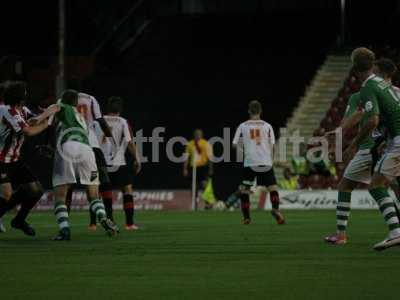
<point x="245" y="205"/>
<point x="5" y="206"/>
<point x="129" y="209"/>
<point x="108" y="205"/>
<point x="15" y="199"/>
<point x="68" y="201"/>
<point x="27" y="205"/>
<point x="93" y="219"/>
<point x="274" y="196"/>
<point x="106" y="191"/>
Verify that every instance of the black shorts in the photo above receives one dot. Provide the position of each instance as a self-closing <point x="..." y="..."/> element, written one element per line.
<point x="16" y="173"/>
<point x="202" y="174"/>
<point x="101" y="165"/>
<point x="264" y="178"/>
<point x="122" y="177"/>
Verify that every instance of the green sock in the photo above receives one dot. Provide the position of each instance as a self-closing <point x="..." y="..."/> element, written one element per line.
<point x="97" y="207"/>
<point x="343" y="211"/>
<point x="61" y="213"/>
<point x="387" y="209"/>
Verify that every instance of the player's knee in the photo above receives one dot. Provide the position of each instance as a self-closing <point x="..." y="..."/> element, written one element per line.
<point x="263" y="189"/>
<point x="38" y="192"/>
<point x="34" y="190"/>
<point x="92" y="192"/>
<point x="379" y="181"/>
<point x="272" y="188"/>
<point x="244" y="189"/>
<point x="60" y="193"/>
<point x="6" y="194"/>
<point x="375" y="185"/>
<point x="127" y="190"/>
<point x="345" y="185"/>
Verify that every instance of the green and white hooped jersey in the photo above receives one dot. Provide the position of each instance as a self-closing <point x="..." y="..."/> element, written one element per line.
<point x="71" y="126"/>
<point x="379" y="97"/>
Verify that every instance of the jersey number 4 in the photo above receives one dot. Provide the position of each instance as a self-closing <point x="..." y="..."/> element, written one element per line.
<point x="255" y="134"/>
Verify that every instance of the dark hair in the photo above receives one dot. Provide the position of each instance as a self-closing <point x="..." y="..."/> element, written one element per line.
<point x="70" y="97"/>
<point x="363" y="59"/>
<point x="255" y="107"/>
<point x="14" y="92"/>
<point x="386" y="66"/>
<point x="115" y="105"/>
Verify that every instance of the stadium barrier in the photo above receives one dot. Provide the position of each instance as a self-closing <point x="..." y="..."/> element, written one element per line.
<point x="315" y="199"/>
<point x="144" y="200"/>
<point x="181" y="200"/>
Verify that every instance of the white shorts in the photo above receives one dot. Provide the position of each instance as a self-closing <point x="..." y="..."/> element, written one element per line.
<point x="389" y="164"/>
<point x="360" y="167"/>
<point x="75" y="161"/>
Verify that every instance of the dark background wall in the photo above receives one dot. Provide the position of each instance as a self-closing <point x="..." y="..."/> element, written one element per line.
<point x="190" y="72"/>
<point x="199" y="62"/>
<point x="30" y="27"/>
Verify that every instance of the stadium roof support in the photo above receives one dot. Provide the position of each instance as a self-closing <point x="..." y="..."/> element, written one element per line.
<point x="342" y="22"/>
<point x="60" y="81"/>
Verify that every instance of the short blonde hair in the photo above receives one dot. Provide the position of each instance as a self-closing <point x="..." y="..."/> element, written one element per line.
<point x="363" y="59"/>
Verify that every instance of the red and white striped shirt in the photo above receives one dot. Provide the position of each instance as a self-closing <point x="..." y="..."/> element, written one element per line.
<point x="12" y="121"/>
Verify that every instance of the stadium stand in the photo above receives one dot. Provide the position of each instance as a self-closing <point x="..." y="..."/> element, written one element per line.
<point x="311" y="109"/>
<point x="317" y="99"/>
<point x="332" y="115"/>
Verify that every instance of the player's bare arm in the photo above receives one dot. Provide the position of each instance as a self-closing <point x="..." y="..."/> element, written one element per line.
<point x="136" y="160"/>
<point x="348" y="123"/>
<point x="35" y="130"/>
<point x="50" y="111"/>
<point x="135" y="154"/>
<point x="351" y="122"/>
<point x="105" y="127"/>
<point x="365" y="131"/>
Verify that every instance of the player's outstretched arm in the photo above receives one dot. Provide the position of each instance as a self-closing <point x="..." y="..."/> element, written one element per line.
<point x="133" y="151"/>
<point x="364" y="132"/>
<point x="348" y="123"/>
<point x="105" y="127"/>
<point x="35" y="130"/>
<point x="351" y="122"/>
<point x="50" y="111"/>
<point x="367" y="130"/>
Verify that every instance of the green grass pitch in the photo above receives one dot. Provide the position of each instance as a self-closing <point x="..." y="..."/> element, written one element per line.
<point x="204" y="255"/>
